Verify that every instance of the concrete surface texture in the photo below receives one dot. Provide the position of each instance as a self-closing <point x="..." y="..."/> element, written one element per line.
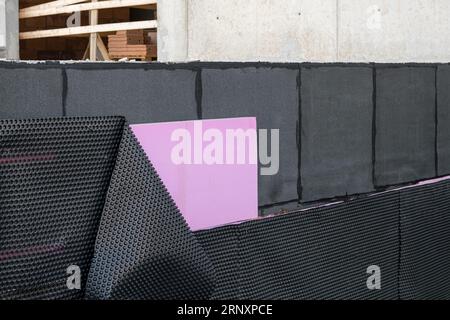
<point x="270" y="30"/>
<point x="9" y="29"/>
<point x="172" y="30"/>
<point x="305" y="30"/>
<point x="2" y="30"/>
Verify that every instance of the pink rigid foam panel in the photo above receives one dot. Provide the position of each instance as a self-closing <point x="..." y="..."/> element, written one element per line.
<point x="210" y="186"/>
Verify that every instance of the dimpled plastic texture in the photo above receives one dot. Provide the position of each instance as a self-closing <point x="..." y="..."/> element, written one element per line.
<point x="222" y="247"/>
<point x="315" y="254"/>
<point x="54" y="174"/>
<point x="425" y="242"/>
<point x="74" y="184"/>
<point x="144" y="248"/>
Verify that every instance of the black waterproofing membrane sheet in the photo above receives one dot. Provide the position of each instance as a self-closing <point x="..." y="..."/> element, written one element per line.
<point x="80" y="191"/>
<point x="344" y="129"/>
<point x="336" y="132"/>
<point x="405" y="125"/>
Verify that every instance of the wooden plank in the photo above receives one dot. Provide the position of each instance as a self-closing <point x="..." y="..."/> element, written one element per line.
<point x="93" y="21"/>
<point x="149" y="24"/>
<point x="113" y="48"/>
<point x="136" y="56"/>
<point x="129" y="33"/>
<point x="124" y="43"/>
<point x="125" y="39"/>
<point x="129" y="47"/>
<point x="130" y="51"/>
<point x="146" y="7"/>
<point x="86" y="52"/>
<point x="26" y="13"/>
<point x="127" y="52"/>
<point x="102" y="48"/>
<point x="53" y="4"/>
<point x="149" y="48"/>
<point x="127" y="36"/>
<point x="130" y="36"/>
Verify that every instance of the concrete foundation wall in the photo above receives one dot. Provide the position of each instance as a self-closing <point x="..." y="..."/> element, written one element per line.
<point x="305" y="30"/>
<point x="9" y="29"/>
<point x="2" y="29"/>
<point x="288" y="30"/>
<point x="256" y="30"/>
<point x="172" y="30"/>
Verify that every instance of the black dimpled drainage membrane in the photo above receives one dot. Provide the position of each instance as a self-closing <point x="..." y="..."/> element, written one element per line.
<point x="425" y="242"/>
<point x="318" y="254"/>
<point x="80" y="191"/>
<point x="54" y="174"/>
<point x="144" y="248"/>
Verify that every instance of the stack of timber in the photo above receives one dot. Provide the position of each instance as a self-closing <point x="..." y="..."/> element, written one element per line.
<point x="132" y="44"/>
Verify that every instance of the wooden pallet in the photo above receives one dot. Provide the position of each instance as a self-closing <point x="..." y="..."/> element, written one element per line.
<point x="132" y="44"/>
